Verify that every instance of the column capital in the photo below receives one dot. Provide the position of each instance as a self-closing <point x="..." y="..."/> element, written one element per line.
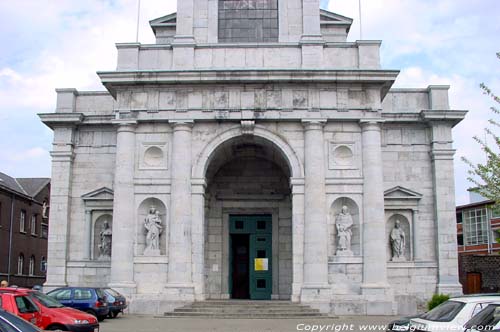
<point x="125" y="125"/>
<point x="371" y="124"/>
<point x="182" y="125"/>
<point x="297" y="185"/>
<point x="313" y="124"/>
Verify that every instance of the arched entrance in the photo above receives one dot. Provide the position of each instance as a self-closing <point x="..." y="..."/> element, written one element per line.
<point x="248" y="220"/>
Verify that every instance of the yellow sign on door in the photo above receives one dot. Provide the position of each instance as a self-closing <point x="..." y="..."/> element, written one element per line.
<point x="261" y="264"/>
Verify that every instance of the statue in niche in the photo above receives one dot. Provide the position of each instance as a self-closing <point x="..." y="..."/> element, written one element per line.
<point x="45" y="208"/>
<point x="106" y="238"/>
<point x="343" y="224"/>
<point x="152" y="224"/>
<point x="398" y="243"/>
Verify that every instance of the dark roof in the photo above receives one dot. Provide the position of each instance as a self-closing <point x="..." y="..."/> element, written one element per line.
<point x="32" y="186"/>
<point x="11" y="183"/>
<point x="23" y="186"/>
<point x="476" y="204"/>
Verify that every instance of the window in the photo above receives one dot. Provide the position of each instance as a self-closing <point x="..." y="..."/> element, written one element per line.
<point x="32" y="266"/>
<point x="459" y="217"/>
<point x="20" y="264"/>
<point x="45" y="231"/>
<point x="33" y="224"/>
<point x="61" y="295"/>
<point x="475" y="226"/>
<point x="43" y="265"/>
<point x="248" y="21"/>
<point x="24" y="305"/>
<point x="460" y="239"/>
<point x="22" y="222"/>
<point x="83" y="294"/>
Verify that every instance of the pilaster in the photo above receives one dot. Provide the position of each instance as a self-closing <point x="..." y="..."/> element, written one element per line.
<point x="297" y="185"/>
<point x="198" y="187"/>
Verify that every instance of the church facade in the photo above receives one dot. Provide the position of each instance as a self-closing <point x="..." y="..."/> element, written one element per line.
<point x="254" y="153"/>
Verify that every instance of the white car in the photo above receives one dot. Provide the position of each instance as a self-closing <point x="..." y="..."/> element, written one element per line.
<point x="486" y="320"/>
<point x="452" y="314"/>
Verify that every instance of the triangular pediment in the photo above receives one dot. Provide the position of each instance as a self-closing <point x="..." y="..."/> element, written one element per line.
<point x="169" y="20"/>
<point x="100" y="194"/>
<point x="399" y="192"/>
<point x="327" y="17"/>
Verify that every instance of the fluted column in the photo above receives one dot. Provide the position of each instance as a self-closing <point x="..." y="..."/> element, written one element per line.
<point x="180" y="281"/>
<point x="315" y="286"/>
<point x="122" y="249"/>
<point x="374" y="237"/>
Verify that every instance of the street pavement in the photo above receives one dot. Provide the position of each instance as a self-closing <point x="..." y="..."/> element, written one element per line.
<point x="137" y="323"/>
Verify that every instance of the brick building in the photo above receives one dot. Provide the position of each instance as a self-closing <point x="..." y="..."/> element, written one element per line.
<point x="478" y="231"/>
<point x="24" y="204"/>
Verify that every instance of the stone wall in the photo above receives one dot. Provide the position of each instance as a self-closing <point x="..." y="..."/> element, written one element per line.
<point x="487" y="265"/>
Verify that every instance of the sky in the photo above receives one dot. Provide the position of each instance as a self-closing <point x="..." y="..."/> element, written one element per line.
<point x="49" y="44"/>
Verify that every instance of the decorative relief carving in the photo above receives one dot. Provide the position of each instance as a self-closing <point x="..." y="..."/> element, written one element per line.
<point x="247" y="127"/>
<point x="153" y="156"/>
<point x="300" y="98"/>
<point x="342" y="155"/>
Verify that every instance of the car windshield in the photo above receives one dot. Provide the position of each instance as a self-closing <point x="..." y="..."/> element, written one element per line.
<point x="46" y="300"/>
<point x="100" y="293"/>
<point x="445" y="312"/>
<point x="486" y="319"/>
<point x="18" y="322"/>
<point x="112" y="292"/>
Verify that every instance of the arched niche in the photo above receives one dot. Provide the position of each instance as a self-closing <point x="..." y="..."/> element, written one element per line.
<point x="100" y="232"/>
<point x="406" y="229"/>
<point x="143" y="211"/>
<point x="335" y="210"/>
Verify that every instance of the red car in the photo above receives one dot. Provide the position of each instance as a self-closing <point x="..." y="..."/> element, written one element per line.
<point x="20" y="305"/>
<point x="55" y="316"/>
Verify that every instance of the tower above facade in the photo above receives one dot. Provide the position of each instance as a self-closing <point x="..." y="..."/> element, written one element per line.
<point x="250" y="21"/>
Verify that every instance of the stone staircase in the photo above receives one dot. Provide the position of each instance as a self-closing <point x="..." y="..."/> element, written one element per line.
<point x="245" y="309"/>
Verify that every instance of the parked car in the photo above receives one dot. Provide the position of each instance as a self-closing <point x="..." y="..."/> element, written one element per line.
<point x="19" y="304"/>
<point x="116" y="302"/>
<point x="486" y="320"/>
<point x="88" y="299"/>
<point x="12" y="323"/>
<point x="452" y="314"/>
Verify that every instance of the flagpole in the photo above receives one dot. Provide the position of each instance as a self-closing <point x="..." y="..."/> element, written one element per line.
<point x="360" y="25"/>
<point x="138" y="19"/>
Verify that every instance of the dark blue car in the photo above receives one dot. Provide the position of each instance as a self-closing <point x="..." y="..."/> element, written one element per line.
<point x="116" y="302"/>
<point x="88" y="299"/>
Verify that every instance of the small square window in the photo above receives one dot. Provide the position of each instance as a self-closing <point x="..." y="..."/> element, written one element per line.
<point x="261" y="254"/>
<point x="261" y="283"/>
<point x="261" y="224"/>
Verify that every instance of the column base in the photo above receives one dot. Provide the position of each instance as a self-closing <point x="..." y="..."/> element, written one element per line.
<point x="180" y="292"/>
<point x="317" y="296"/>
<point x="379" y="299"/>
<point x="450" y="289"/>
<point x="127" y="288"/>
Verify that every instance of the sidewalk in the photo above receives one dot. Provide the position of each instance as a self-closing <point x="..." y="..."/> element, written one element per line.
<point x="133" y="323"/>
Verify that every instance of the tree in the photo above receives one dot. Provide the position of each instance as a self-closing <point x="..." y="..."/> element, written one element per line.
<point x="486" y="177"/>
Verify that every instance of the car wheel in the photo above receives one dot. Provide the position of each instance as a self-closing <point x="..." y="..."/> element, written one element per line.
<point x="92" y="312"/>
<point x="101" y="318"/>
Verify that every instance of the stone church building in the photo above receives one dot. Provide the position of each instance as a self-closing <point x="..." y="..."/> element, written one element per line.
<point x="254" y="153"/>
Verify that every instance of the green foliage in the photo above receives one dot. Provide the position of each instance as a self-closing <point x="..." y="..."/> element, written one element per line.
<point x="436" y="300"/>
<point x="486" y="177"/>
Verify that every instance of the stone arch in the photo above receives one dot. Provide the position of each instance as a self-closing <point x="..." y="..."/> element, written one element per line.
<point x="204" y="158"/>
<point x="406" y="227"/>
<point x="335" y="209"/>
<point x="142" y="212"/>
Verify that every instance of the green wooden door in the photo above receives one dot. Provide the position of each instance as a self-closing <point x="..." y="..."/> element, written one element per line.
<point x="259" y="229"/>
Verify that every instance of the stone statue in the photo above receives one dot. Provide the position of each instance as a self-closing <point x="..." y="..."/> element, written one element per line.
<point x="106" y="238"/>
<point x="398" y="242"/>
<point x="343" y="224"/>
<point x="44" y="209"/>
<point x="153" y="226"/>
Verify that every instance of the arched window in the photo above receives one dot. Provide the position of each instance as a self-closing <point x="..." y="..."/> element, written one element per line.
<point x="32" y="266"/>
<point x="43" y="265"/>
<point x="20" y="264"/>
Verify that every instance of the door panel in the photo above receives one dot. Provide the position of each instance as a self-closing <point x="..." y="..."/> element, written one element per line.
<point x="473" y="283"/>
<point x="258" y="259"/>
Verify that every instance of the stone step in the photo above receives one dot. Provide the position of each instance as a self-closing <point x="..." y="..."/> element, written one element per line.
<point x="245" y="309"/>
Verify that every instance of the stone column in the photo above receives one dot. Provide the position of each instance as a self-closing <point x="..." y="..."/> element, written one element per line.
<point x="122" y="249"/>
<point x="180" y="281"/>
<point x="444" y="208"/>
<point x="60" y="202"/>
<point x="416" y="237"/>
<point x="315" y="288"/>
<point x="374" y="237"/>
<point x="198" y="237"/>
<point x="87" y="244"/>
<point x="297" y="237"/>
